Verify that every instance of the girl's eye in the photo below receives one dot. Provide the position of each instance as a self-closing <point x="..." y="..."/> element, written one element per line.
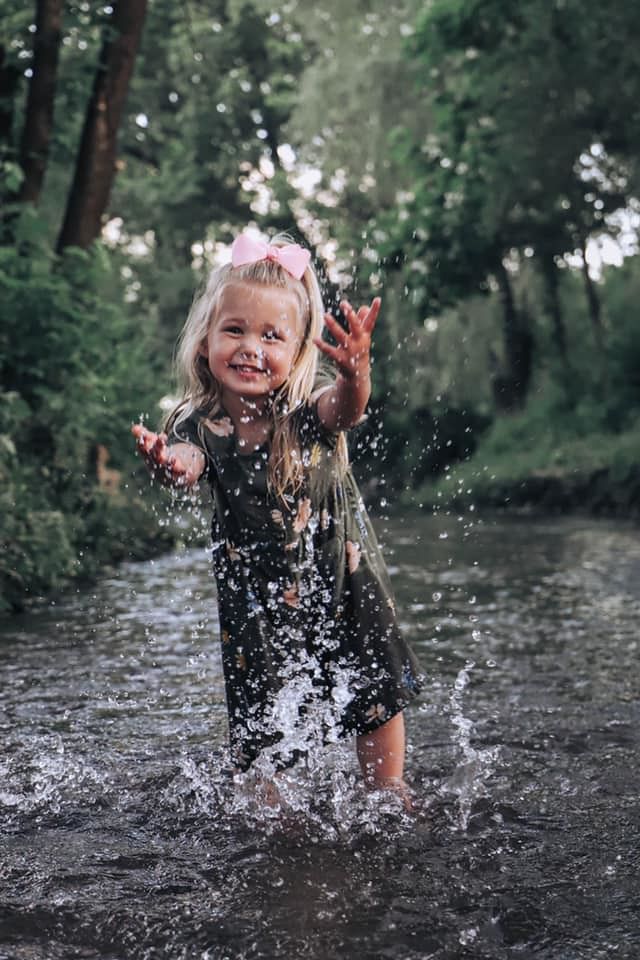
<point x="272" y="335"/>
<point x="233" y="328"/>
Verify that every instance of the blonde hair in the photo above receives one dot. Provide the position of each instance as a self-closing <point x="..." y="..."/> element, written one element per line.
<point x="201" y="391"/>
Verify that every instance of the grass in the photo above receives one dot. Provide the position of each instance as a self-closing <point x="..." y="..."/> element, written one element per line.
<point x="527" y="462"/>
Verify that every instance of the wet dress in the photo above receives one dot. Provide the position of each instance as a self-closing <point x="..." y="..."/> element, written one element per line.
<point x="311" y="647"/>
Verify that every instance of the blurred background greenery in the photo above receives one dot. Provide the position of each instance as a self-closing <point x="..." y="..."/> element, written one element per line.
<point x="475" y="161"/>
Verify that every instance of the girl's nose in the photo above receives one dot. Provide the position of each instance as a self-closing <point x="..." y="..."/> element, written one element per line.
<point x="251" y="347"/>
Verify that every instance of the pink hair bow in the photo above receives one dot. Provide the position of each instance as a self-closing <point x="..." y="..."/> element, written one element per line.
<point x="292" y="257"/>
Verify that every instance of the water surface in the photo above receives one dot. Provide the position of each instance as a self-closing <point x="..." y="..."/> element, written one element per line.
<point x="124" y="836"/>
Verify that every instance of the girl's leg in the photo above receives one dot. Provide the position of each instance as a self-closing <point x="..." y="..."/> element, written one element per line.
<point x="381" y="754"/>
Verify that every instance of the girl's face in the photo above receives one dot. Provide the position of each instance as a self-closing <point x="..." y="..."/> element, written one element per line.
<point x="253" y="340"/>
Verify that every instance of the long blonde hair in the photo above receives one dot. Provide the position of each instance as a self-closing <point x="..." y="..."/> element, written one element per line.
<point x="201" y="391"/>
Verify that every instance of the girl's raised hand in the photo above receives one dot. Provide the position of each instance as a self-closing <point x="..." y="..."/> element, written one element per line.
<point x="163" y="464"/>
<point x="351" y="353"/>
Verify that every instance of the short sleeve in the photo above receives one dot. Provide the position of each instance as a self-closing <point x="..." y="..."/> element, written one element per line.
<point x="310" y="427"/>
<point x="315" y="424"/>
<point x="186" y="431"/>
<point x="189" y="430"/>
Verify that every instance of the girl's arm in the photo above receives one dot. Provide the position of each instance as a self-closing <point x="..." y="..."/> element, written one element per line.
<point x="178" y="465"/>
<point x="342" y="405"/>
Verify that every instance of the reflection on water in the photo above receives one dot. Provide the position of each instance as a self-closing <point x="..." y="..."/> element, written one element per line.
<point x="124" y="834"/>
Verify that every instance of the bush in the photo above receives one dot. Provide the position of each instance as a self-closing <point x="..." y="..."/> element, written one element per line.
<point x="74" y="371"/>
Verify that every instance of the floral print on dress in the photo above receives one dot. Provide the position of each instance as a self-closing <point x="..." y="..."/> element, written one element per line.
<point x="277" y="517"/>
<point x="290" y="595"/>
<point x="316" y="455"/>
<point x="376" y="713"/>
<point x="232" y="552"/>
<point x="353" y="555"/>
<point x="408" y="677"/>
<point x="303" y="515"/>
<point x="220" y="428"/>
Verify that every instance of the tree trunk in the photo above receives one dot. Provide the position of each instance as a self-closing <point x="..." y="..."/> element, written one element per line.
<point x="9" y="84"/>
<point x="9" y="80"/>
<point x="510" y="387"/>
<point x="592" y="299"/>
<point x="10" y="75"/>
<point x="95" y="163"/>
<point x="36" y="136"/>
<point x="553" y="307"/>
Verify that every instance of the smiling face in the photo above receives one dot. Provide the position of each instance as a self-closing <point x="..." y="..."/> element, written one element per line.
<point x="253" y="340"/>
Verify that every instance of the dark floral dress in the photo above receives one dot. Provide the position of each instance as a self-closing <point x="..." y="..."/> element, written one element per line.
<point x="310" y="642"/>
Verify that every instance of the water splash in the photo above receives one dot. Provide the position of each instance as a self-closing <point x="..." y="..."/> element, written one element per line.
<point x="51" y="779"/>
<point x="322" y="792"/>
<point x="319" y="797"/>
<point x="468" y="780"/>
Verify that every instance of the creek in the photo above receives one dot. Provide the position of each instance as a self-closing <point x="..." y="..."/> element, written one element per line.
<point x="123" y="834"/>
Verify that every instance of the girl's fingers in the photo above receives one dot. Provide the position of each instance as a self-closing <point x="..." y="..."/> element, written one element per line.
<point x="364" y="319"/>
<point x="141" y="434"/>
<point x="343" y="359"/>
<point x="369" y="320"/>
<point x="340" y="357"/>
<point x="350" y="314"/>
<point x="176" y="466"/>
<point x="326" y="348"/>
<point x="153" y="446"/>
<point x="336" y="330"/>
<point x="147" y="441"/>
<point x="159" y="449"/>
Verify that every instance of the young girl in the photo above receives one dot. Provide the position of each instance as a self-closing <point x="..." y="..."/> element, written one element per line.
<point x="307" y="617"/>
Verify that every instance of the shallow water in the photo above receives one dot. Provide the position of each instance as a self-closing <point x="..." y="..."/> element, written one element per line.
<point x="124" y="836"/>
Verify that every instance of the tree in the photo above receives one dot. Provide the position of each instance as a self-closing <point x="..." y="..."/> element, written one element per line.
<point x="515" y="93"/>
<point x="356" y="90"/>
<point x="95" y="164"/>
<point x="36" y="135"/>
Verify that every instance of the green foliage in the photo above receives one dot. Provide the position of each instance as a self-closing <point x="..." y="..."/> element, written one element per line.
<point x="572" y="429"/>
<point x="515" y="92"/>
<point x="213" y="87"/>
<point x="521" y="464"/>
<point x="622" y="290"/>
<point x="481" y="154"/>
<point x="86" y="341"/>
<point x="75" y="370"/>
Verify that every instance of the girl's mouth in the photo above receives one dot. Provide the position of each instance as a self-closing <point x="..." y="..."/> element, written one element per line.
<point x="248" y="371"/>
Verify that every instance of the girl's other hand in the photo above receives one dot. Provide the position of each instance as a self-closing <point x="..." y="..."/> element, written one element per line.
<point x="343" y="404"/>
<point x="351" y="353"/>
<point x="164" y="464"/>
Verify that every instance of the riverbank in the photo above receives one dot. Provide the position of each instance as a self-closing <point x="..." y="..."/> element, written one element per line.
<point x="598" y="474"/>
<point x="47" y="552"/>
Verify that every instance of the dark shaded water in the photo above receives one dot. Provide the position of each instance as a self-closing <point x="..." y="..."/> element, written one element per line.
<point x="123" y="835"/>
